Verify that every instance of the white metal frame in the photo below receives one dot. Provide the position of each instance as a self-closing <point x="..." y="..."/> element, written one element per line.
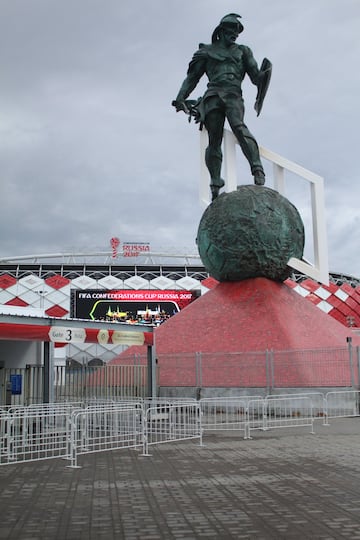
<point x="68" y="430"/>
<point x="294" y="411"/>
<point x="32" y="434"/>
<point x="318" y="402"/>
<point x="102" y="428"/>
<point x="319" y="270"/>
<point x="225" y="413"/>
<point x="170" y="422"/>
<point x="342" y="404"/>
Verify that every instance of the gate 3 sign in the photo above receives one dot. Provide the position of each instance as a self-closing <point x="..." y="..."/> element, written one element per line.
<point x="62" y="334"/>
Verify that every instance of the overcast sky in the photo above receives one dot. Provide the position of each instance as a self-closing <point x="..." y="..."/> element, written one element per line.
<point x="91" y="148"/>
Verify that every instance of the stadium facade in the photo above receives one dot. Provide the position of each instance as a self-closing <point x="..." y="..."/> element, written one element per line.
<point x="156" y="287"/>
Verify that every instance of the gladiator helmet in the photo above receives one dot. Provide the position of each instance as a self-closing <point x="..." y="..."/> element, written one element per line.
<point x="229" y="21"/>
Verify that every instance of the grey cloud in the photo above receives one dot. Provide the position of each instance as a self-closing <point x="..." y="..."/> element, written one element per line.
<point x="91" y="148"/>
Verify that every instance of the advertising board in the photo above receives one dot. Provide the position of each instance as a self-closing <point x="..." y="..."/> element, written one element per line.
<point x="129" y="305"/>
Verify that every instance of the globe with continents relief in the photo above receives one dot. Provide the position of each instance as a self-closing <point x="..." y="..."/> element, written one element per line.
<point x="250" y="232"/>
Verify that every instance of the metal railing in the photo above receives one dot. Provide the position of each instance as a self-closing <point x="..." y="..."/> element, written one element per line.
<point x="83" y="384"/>
<point x="34" y="433"/>
<point x="69" y="430"/>
<point x="248" y="413"/>
<point x="294" y="411"/>
<point x="255" y="417"/>
<point x="267" y="370"/>
<point x="101" y="428"/>
<point x="172" y="421"/>
<point x="317" y="401"/>
<point x="225" y="413"/>
<point x="340" y="404"/>
<point x="271" y="370"/>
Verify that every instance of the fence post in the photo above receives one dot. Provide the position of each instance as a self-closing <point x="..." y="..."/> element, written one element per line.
<point x="269" y="362"/>
<point x="72" y="447"/>
<point x="267" y="368"/>
<point x="46" y="373"/>
<point x="350" y="348"/>
<point x="198" y="370"/>
<point x="151" y="371"/>
<point x="145" y="431"/>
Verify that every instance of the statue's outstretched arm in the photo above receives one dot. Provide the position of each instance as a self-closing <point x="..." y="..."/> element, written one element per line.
<point x="195" y="71"/>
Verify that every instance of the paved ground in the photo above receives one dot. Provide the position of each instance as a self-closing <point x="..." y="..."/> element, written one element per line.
<point x="282" y="484"/>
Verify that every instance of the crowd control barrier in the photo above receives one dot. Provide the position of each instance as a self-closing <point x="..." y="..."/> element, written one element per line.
<point x="69" y="430"/>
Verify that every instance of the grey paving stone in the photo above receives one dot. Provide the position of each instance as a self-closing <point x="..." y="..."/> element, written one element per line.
<point x="282" y="484"/>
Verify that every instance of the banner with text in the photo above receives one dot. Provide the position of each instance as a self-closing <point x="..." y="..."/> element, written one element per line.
<point x="135" y="249"/>
<point x="129" y="306"/>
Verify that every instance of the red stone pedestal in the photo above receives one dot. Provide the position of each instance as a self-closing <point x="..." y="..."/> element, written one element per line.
<point x="254" y="315"/>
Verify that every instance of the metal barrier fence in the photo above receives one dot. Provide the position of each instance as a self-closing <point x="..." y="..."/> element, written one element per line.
<point x="68" y="430"/>
<point x="336" y="367"/>
<point x="278" y="410"/>
<point x="340" y="404"/>
<point x="225" y="413"/>
<point x="256" y="416"/>
<point x="291" y="411"/>
<point x="30" y="389"/>
<point x="267" y="370"/>
<point x="106" y="382"/>
<point x="282" y="410"/>
<point x="102" y="427"/>
<point x="317" y="401"/>
<point x="85" y="383"/>
<point x="248" y="413"/>
<point x="34" y="433"/>
<point x="166" y="422"/>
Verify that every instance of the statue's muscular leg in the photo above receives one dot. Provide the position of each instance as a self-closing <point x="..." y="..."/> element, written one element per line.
<point x="214" y="123"/>
<point x="249" y="148"/>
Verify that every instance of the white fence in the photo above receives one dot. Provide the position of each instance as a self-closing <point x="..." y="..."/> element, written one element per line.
<point x="34" y="433"/>
<point x="166" y="422"/>
<point x="85" y="383"/>
<point x="104" y="427"/>
<point x="248" y="413"/>
<point x="68" y="430"/>
<point x="317" y="400"/>
<point x="339" y="404"/>
<point x="291" y="411"/>
<point x="256" y="416"/>
<point x="225" y="413"/>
